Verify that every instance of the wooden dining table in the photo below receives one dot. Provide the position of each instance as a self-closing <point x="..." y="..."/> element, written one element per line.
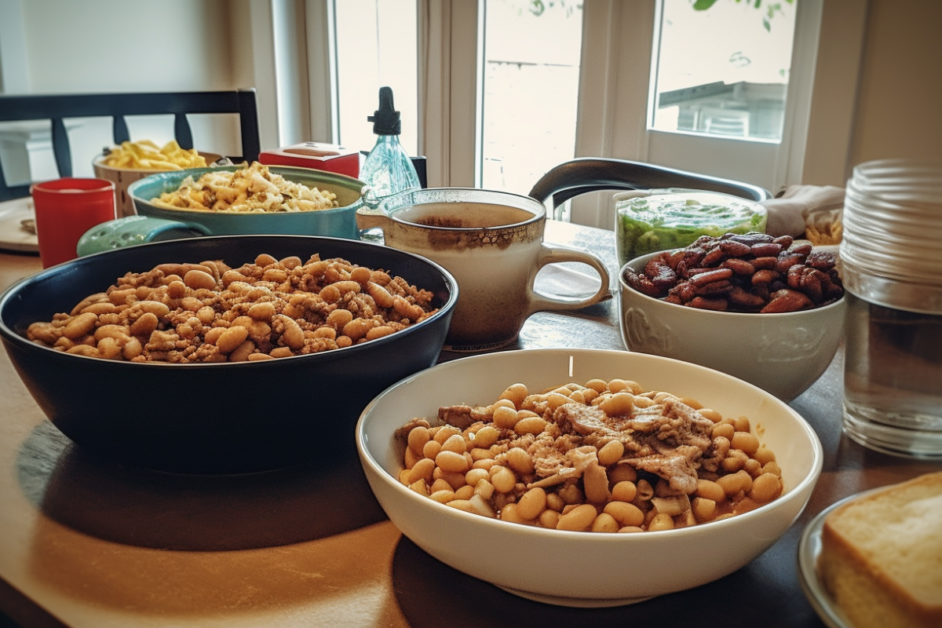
<point x="86" y="542"/>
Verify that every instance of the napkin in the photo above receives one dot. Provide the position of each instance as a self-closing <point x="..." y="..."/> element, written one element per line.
<point x="799" y="206"/>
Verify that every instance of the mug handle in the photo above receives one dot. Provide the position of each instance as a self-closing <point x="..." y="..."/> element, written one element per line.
<point x="554" y="254"/>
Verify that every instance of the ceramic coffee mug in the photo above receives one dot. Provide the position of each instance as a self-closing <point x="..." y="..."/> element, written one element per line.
<point x="492" y="242"/>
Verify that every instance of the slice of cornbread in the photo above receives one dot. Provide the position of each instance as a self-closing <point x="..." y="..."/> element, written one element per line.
<point x="881" y="556"/>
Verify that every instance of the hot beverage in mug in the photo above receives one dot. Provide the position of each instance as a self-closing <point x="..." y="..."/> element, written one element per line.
<point x="492" y="242"/>
<point x="463" y="215"/>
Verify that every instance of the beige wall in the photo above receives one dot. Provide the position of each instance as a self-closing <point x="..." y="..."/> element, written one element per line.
<point x="899" y="104"/>
<point x="122" y="45"/>
<point x="127" y="46"/>
<point x="101" y="46"/>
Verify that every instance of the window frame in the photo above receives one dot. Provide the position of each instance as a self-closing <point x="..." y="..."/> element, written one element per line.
<point x="613" y="114"/>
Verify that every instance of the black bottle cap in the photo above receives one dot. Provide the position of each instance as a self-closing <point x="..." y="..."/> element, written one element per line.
<point x="385" y="119"/>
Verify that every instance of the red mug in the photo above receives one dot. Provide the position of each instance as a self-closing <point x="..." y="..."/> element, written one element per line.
<point x="67" y="208"/>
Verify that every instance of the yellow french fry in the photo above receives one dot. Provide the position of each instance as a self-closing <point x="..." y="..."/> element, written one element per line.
<point x="170" y="147"/>
<point x="166" y="165"/>
<point x="145" y="155"/>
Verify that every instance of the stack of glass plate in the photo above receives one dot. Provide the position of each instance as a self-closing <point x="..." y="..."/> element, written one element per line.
<point x="892" y="241"/>
<point x="892" y="271"/>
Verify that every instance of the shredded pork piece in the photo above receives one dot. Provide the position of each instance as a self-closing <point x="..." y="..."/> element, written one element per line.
<point x="679" y="471"/>
<point x="463" y="416"/>
<point x="665" y="439"/>
<point x="549" y="454"/>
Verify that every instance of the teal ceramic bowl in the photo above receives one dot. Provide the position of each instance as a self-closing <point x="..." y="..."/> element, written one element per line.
<point x="339" y="222"/>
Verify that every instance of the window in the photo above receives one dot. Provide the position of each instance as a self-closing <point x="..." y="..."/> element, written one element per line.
<point x="623" y="55"/>
<point x="722" y="68"/>
<point x="469" y="100"/>
<point x="531" y="86"/>
<point x="376" y="46"/>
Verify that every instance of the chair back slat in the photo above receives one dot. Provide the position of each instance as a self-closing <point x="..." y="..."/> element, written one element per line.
<point x="182" y="132"/>
<point x="60" y="148"/>
<point x="119" y="130"/>
<point x="57" y="108"/>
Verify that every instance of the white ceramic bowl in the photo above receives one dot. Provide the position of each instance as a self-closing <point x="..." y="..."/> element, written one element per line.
<point x="584" y="568"/>
<point x="781" y="353"/>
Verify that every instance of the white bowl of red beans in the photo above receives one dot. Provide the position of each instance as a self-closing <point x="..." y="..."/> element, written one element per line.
<point x="571" y="553"/>
<point x="767" y="310"/>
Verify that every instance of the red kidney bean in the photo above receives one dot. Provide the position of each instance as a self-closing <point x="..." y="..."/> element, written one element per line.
<point x="706" y="303"/>
<point x="786" y="261"/>
<point x="710" y="276"/>
<point x="713" y="257"/>
<point x="735" y="249"/>
<point x="714" y="288"/>
<point x="739" y="266"/>
<point x="764" y="276"/>
<point x="820" y="260"/>
<point x="741" y="297"/>
<point x="749" y="238"/>
<point x="769" y="249"/>
<point x="786" y="301"/>
<point x="764" y="263"/>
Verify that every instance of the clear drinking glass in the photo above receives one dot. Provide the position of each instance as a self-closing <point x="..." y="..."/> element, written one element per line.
<point x="893" y="379"/>
<point x="893" y="327"/>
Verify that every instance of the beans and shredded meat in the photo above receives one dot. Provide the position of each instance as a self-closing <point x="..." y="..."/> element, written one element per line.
<point x="606" y="456"/>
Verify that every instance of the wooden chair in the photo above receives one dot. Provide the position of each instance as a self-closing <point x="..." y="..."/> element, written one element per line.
<point x="56" y="108"/>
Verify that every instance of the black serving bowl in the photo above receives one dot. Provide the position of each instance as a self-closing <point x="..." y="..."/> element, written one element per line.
<point x="215" y="418"/>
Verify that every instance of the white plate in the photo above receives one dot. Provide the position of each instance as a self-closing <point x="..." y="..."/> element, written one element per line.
<point x="12" y="235"/>
<point x="809" y="549"/>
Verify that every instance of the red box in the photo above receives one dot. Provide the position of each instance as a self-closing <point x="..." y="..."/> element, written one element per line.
<point x="315" y="155"/>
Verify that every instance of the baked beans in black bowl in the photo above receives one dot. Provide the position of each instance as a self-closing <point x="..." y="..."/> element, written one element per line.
<point x="259" y="359"/>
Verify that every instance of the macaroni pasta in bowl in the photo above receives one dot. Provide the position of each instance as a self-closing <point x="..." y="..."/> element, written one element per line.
<point x="252" y="189"/>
